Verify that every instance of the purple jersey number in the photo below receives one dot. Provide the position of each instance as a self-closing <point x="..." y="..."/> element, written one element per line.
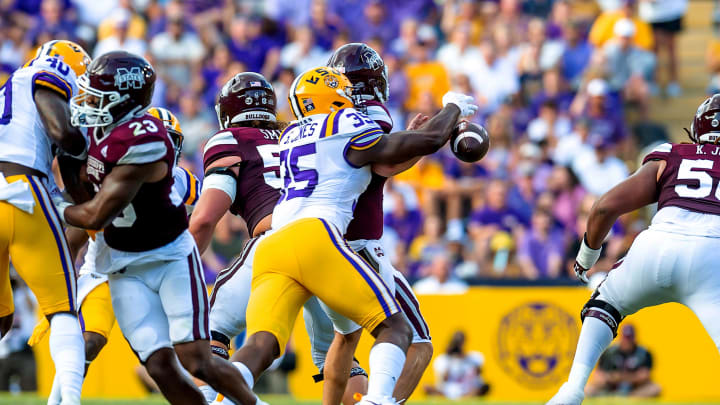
<point x="6" y="96"/>
<point x="293" y="173"/>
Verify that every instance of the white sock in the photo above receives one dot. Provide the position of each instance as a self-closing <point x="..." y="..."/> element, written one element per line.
<point x="208" y="392"/>
<point x="595" y="337"/>
<point x="55" y="397"/>
<point x="67" y="349"/>
<point x="246" y="373"/>
<point x="386" y="363"/>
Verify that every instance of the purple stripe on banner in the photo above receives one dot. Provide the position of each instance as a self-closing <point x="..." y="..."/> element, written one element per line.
<point x="59" y="239"/>
<point x="377" y="292"/>
<point x="206" y="308"/>
<point x="195" y="303"/>
<point x="230" y="271"/>
<point x="418" y="321"/>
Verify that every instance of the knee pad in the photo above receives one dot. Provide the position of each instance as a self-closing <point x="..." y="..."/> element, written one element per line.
<point x="603" y="311"/>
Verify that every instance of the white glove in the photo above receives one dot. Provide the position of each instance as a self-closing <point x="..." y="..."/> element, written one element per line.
<point x="464" y="103"/>
<point x="60" y="205"/>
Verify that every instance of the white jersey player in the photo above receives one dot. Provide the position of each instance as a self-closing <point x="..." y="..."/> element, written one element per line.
<point x="34" y="121"/>
<point x="326" y="158"/>
<point x="674" y="260"/>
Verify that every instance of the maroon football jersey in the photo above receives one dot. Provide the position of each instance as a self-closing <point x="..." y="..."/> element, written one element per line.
<point x="690" y="179"/>
<point x="367" y="222"/>
<point x="151" y="220"/>
<point x="258" y="185"/>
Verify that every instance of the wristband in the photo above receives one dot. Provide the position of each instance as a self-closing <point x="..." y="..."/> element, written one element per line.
<point x="587" y="256"/>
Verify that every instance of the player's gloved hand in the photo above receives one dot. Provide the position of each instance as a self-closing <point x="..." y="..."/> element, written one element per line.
<point x="60" y="205"/>
<point x="464" y="103"/>
<point x="586" y="258"/>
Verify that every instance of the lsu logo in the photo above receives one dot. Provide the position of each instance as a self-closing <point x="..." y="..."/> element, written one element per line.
<point x="129" y="78"/>
<point x="536" y="344"/>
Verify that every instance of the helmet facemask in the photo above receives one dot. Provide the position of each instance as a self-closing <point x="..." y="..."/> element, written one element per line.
<point x="91" y="107"/>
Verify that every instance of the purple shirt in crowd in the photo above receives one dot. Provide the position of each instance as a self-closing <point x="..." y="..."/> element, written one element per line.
<point x="505" y="218"/>
<point x="407" y="227"/>
<point x="539" y="251"/>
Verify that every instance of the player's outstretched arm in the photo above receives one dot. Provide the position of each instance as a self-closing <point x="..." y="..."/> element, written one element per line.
<point x="406" y="145"/>
<point x="118" y="189"/>
<point x="633" y="193"/>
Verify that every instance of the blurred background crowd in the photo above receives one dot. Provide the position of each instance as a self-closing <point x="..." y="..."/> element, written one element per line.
<point x="565" y="89"/>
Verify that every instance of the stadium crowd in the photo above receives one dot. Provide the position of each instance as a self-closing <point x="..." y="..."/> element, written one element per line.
<point x="564" y="88"/>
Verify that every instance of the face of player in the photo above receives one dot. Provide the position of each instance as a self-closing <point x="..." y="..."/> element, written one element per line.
<point x="92" y="101"/>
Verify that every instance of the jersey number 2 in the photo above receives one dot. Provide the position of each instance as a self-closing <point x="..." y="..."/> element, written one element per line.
<point x="696" y="170"/>
<point x="126" y="218"/>
<point x="294" y="176"/>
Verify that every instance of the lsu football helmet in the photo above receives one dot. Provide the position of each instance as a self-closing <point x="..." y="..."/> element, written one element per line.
<point x="365" y="69"/>
<point x="705" y="127"/>
<point x="172" y="125"/>
<point x="69" y="52"/>
<point x="247" y="96"/>
<point x="320" y="90"/>
<point x="117" y="85"/>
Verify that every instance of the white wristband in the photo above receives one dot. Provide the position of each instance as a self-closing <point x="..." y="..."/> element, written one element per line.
<point x="587" y="256"/>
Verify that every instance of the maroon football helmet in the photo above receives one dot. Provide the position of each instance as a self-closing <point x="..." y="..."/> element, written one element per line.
<point x="705" y="128"/>
<point x="117" y="85"/>
<point x="365" y="69"/>
<point x="247" y="97"/>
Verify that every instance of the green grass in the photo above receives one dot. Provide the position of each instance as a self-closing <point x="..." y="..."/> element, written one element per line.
<point x="6" y="399"/>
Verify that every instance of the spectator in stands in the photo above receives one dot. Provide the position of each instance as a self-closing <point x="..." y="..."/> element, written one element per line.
<point x="325" y="26"/>
<point x="665" y="17"/>
<point x="599" y="170"/>
<point x="550" y="125"/>
<point x="458" y="55"/>
<point x="13" y="47"/>
<point x="248" y="46"/>
<point x="440" y="278"/>
<point x="712" y="61"/>
<point x="462" y="13"/>
<point x="565" y="186"/>
<point x="624" y="370"/>
<point x="431" y="242"/>
<point x="303" y="54"/>
<point x="135" y="24"/>
<point x="407" y="38"/>
<point x="458" y="373"/>
<point x="17" y="360"/>
<point x="497" y="81"/>
<point x="425" y="75"/>
<point x="197" y="123"/>
<point x="630" y="70"/>
<point x="407" y="222"/>
<point x="576" y="54"/>
<point x="119" y="39"/>
<point x="177" y="52"/>
<point x="553" y="90"/>
<point x="602" y="30"/>
<point x="378" y="23"/>
<point x="542" y="248"/>
<point x="52" y="23"/>
<point x="537" y="56"/>
<point x="600" y="108"/>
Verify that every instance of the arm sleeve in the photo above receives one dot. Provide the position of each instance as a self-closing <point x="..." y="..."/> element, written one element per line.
<point x="219" y="146"/>
<point x="143" y="153"/>
<point x="53" y="82"/>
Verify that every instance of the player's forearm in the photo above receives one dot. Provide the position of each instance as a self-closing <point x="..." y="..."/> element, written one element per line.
<point x="70" y="171"/>
<point x="202" y="231"/>
<point x="211" y="207"/>
<point x="87" y="216"/>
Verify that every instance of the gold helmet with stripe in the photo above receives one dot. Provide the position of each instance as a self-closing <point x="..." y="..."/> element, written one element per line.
<point x="320" y="90"/>
<point x="69" y="52"/>
<point x="172" y="125"/>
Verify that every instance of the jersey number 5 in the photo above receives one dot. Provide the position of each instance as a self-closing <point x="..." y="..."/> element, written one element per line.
<point x="696" y="170"/>
<point x="295" y="176"/>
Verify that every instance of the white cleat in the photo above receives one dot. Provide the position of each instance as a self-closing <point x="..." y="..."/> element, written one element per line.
<point x="567" y="396"/>
<point x="375" y="400"/>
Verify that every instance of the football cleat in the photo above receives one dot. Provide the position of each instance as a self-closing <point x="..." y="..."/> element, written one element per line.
<point x="567" y="396"/>
<point x="374" y="400"/>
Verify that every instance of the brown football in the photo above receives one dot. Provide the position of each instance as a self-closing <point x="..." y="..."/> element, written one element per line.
<point x="469" y="142"/>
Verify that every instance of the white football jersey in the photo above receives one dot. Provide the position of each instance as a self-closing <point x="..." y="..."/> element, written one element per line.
<point x="318" y="182"/>
<point x="22" y="135"/>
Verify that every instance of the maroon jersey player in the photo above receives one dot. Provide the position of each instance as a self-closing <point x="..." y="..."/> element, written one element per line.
<point x="154" y="272"/>
<point x="366" y="70"/>
<point x="674" y="260"/>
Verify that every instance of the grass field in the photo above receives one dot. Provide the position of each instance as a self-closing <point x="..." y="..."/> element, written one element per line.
<point x="6" y="399"/>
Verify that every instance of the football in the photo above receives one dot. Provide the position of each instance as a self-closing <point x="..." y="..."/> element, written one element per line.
<point x="469" y="142"/>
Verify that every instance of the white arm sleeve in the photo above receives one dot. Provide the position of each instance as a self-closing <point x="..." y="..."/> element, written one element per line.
<point x="221" y="182"/>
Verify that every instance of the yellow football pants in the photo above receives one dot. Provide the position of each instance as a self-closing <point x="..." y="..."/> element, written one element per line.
<point x="39" y="252"/>
<point x="96" y="311"/>
<point x="310" y="257"/>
